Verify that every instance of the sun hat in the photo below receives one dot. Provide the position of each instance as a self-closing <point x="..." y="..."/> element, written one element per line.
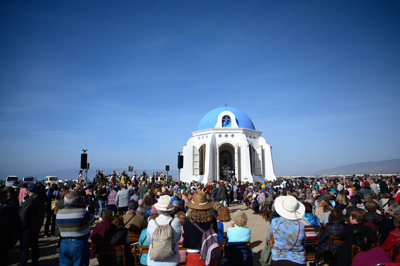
<point x="288" y="207"/>
<point x="164" y="203"/>
<point x="199" y="201"/>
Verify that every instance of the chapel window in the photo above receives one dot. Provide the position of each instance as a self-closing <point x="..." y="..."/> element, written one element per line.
<point x="226" y="121"/>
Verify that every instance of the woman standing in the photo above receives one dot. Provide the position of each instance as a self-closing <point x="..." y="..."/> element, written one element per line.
<point x="52" y="196"/>
<point x="164" y="209"/>
<point x="286" y="234"/>
<point x="200" y="214"/>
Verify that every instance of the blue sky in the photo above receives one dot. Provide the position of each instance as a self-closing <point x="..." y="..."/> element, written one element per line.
<point x="130" y="80"/>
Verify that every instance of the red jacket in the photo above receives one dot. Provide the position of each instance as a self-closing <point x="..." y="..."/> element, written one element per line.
<point x="392" y="239"/>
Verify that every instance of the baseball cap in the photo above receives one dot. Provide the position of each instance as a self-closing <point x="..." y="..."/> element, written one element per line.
<point x="32" y="188"/>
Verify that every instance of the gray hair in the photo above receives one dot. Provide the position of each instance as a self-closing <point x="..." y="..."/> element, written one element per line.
<point x="310" y="200"/>
<point x="166" y="213"/>
<point x="395" y="209"/>
<point x="71" y="198"/>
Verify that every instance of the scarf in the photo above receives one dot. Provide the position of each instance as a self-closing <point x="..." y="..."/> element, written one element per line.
<point x="311" y="219"/>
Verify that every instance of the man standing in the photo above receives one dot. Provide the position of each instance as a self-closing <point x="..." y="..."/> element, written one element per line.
<point x="222" y="195"/>
<point x="373" y="185"/>
<point x="10" y="227"/>
<point x="142" y="190"/>
<point x="122" y="199"/>
<point x="32" y="215"/>
<point x="340" y="186"/>
<point x="102" y="199"/>
<point x="74" y="228"/>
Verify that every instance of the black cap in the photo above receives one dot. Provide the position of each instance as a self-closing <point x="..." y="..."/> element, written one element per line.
<point x="133" y="206"/>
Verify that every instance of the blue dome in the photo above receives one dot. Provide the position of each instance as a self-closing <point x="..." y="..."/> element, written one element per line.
<point x="210" y="119"/>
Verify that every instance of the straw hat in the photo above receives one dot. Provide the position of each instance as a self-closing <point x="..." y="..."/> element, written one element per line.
<point x="164" y="203"/>
<point x="199" y="201"/>
<point x="288" y="207"/>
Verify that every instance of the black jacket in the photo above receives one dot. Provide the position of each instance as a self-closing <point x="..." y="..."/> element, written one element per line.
<point x="331" y="229"/>
<point x="32" y="212"/>
<point x="375" y="218"/>
<point x="222" y="193"/>
<point x="192" y="235"/>
<point x="10" y="227"/>
<point x="349" y="210"/>
<point x="344" y="257"/>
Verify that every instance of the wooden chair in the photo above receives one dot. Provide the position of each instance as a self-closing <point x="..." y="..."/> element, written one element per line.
<point x="395" y="251"/>
<point x="134" y="237"/>
<point x="267" y="211"/>
<point x="103" y="251"/>
<point x="333" y="240"/>
<point x="137" y="250"/>
<point x="182" y="248"/>
<point x="355" y="249"/>
<point x="222" y="248"/>
<point x="312" y="244"/>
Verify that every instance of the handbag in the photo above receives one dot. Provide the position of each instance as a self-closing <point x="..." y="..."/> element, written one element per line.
<point x="266" y="255"/>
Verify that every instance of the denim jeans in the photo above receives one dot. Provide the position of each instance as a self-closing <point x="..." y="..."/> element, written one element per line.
<point x="74" y="253"/>
<point x="29" y="238"/>
<point x="102" y="206"/>
<point x="50" y="220"/>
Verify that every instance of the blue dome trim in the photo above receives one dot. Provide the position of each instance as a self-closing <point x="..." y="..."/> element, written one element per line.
<point x="210" y="119"/>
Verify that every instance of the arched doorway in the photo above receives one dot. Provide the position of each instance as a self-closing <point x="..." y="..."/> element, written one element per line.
<point x="226" y="161"/>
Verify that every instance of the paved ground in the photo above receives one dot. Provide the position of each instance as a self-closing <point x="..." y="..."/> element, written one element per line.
<point x="49" y="256"/>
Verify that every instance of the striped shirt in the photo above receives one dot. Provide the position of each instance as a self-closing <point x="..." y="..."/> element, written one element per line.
<point x="74" y="222"/>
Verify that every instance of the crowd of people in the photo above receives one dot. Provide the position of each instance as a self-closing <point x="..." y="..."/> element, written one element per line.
<point x="360" y="210"/>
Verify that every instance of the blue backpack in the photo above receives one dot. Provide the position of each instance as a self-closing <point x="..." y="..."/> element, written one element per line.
<point x="147" y="214"/>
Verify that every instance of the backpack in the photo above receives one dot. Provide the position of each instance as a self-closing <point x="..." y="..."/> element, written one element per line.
<point x="239" y="190"/>
<point x="147" y="214"/>
<point x="162" y="245"/>
<point x="81" y="202"/>
<point x="210" y="250"/>
<point x="53" y="203"/>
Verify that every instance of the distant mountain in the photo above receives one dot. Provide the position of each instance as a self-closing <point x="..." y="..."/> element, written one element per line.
<point x="381" y="167"/>
<point x="71" y="174"/>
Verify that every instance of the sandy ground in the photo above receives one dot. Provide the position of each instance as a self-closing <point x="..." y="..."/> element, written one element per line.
<point x="49" y="256"/>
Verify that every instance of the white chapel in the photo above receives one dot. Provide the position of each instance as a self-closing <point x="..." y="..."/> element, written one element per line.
<point x="226" y="142"/>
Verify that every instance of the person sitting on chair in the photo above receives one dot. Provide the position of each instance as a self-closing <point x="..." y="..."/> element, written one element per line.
<point x="369" y="256"/>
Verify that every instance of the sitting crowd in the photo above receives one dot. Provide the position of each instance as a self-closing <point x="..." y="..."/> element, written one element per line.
<point x="361" y="222"/>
